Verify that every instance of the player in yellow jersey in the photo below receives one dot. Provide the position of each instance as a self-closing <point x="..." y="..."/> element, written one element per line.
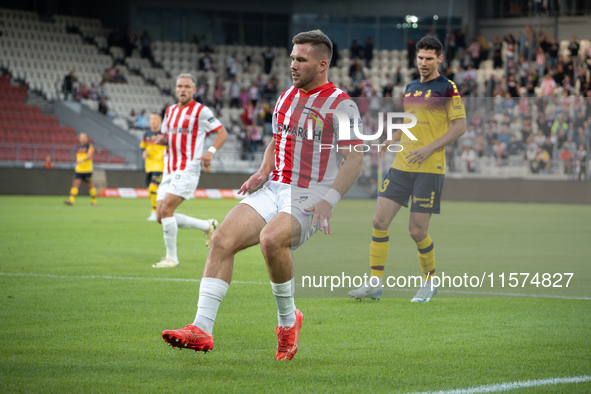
<point x="418" y="170"/>
<point x="153" y="154"/>
<point x="83" y="171"/>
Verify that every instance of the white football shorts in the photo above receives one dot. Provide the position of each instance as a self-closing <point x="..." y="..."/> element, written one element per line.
<point x="179" y="183"/>
<point x="275" y="197"/>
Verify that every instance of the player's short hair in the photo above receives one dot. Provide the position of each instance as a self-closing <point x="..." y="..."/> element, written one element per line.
<point x="430" y="43"/>
<point x="187" y="75"/>
<point x="317" y="39"/>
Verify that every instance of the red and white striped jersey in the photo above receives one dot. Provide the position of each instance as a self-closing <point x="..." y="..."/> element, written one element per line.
<point x="186" y="128"/>
<point x="299" y="160"/>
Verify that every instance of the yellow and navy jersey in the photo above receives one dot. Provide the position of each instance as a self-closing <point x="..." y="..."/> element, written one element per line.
<point x="435" y="104"/>
<point x="83" y="152"/>
<point x="155" y="159"/>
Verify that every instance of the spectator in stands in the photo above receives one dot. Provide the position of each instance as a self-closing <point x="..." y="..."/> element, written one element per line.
<point x="246" y="138"/>
<point x="523" y="70"/>
<point x="368" y="52"/>
<point x="469" y="159"/>
<point x="356" y="50"/>
<point x="235" y="88"/>
<point x="484" y="48"/>
<point x="243" y="97"/>
<point x="570" y="145"/>
<point x="500" y="150"/>
<point x="102" y="107"/>
<point x="542" y="163"/>
<point x="206" y="63"/>
<point x="520" y="41"/>
<point x="112" y="74"/>
<point x="468" y="87"/>
<point x="581" y="163"/>
<point x="92" y="92"/>
<point x="580" y="138"/>
<point x="82" y="92"/>
<point x="69" y="81"/>
<point x="247" y="64"/>
<point x="548" y="85"/>
<point x="497" y="49"/>
<point x="566" y="158"/>
<point x="530" y="41"/>
<point x="256" y="138"/>
<point x="146" y="49"/>
<point x="142" y="121"/>
<point x="132" y="118"/>
<point x="553" y="53"/>
<point x="231" y="65"/>
<point x="268" y="57"/>
<point x="474" y="52"/>
<point x="253" y="93"/>
<point x="48" y="165"/>
<point x="218" y="94"/>
<point x="512" y="86"/>
<point x="515" y="147"/>
<point x="100" y="91"/>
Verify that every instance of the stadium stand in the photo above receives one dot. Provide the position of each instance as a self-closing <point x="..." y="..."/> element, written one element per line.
<point x="28" y="135"/>
<point x="82" y="44"/>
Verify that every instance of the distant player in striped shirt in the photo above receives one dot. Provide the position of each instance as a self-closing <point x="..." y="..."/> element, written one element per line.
<point x="305" y="184"/>
<point x="184" y="129"/>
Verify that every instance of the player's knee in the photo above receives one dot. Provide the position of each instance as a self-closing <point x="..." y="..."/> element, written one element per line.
<point x="417" y="234"/>
<point x="379" y="223"/>
<point x="220" y="242"/>
<point x="269" y="244"/>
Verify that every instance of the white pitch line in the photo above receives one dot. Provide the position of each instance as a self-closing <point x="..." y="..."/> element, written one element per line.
<point x="493" y="388"/>
<point x="266" y="283"/>
<point x="118" y="278"/>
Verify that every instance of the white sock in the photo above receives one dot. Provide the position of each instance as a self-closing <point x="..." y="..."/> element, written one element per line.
<point x="211" y="293"/>
<point x="283" y="293"/>
<point x="185" y="221"/>
<point x="169" y="230"/>
<point x="374" y="281"/>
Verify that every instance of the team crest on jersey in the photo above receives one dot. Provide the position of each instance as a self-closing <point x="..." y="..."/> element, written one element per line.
<point x="428" y="94"/>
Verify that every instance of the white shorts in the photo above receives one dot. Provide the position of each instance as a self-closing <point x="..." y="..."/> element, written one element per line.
<point x="179" y="183"/>
<point x="277" y="197"/>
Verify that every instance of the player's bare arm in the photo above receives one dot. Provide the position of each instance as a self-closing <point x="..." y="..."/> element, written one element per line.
<point x="348" y="174"/>
<point x="266" y="167"/>
<point x="455" y="131"/>
<point x="396" y="136"/>
<point x="220" y="139"/>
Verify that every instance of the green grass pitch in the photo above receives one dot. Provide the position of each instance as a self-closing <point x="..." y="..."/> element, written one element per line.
<point x="82" y="310"/>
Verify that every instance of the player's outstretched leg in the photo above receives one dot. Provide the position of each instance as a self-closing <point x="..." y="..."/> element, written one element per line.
<point x="207" y="226"/>
<point x="241" y="230"/>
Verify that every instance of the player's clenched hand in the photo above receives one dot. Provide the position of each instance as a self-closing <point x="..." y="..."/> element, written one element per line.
<point x="252" y="183"/>
<point x="418" y="155"/>
<point x="145" y="154"/>
<point x="322" y="213"/>
<point x="206" y="159"/>
<point x="160" y="139"/>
